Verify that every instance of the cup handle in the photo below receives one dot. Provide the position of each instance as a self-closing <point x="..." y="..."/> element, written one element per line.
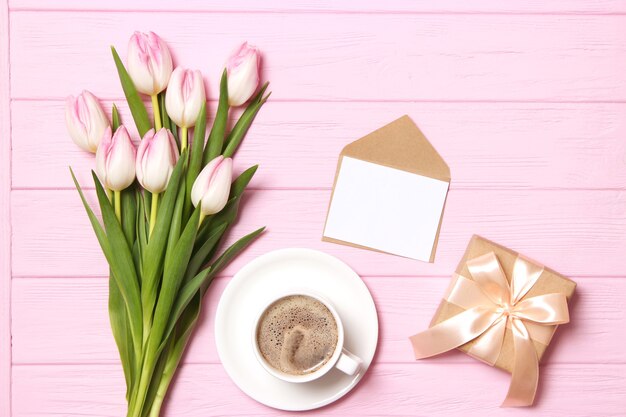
<point x="348" y="362"/>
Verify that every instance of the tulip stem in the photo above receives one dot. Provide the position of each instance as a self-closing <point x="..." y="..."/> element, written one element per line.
<point x="201" y="219"/>
<point x="183" y="140"/>
<point x="153" y="211"/>
<point x="157" y="112"/>
<point x="118" y="205"/>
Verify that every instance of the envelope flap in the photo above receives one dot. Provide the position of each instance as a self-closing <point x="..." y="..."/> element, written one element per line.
<point x="400" y="145"/>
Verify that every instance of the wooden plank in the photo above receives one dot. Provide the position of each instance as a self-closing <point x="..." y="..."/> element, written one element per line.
<point x="334" y="6"/>
<point x="574" y="232"/>
<point x="487" y="145"/>
<point x="5" y="214"/>
<point x="70" y="314"/>
<point x="420" y="389"/>
<point x="358" y="56"/>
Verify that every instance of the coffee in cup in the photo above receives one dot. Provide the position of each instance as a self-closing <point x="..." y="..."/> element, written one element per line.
<point x="297" y="334"/>
<point x="299" y="337"/>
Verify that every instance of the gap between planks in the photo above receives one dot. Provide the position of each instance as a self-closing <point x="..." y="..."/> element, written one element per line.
<point x="364" y="100"/>
<point x="364" y="9"/>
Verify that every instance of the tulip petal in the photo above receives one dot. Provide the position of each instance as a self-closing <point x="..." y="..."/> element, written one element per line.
<point x="138" y="68"/>
<point x="85" y="120"/>
<point x="243" y="74"/>
<point x="216" y="196"/>
<point x="101" y="153"/>
<point x="195" y="99"/>
<point x="141" y="150"/>
<point x="95" y="121"/>
<point x="174" y="103"/>
<point x="184" y="96"/>
<point x="201" y="184"/>
<point x="149" y="62"/>
<point x="156" y="159"/>
<point x="75" y="126"/>
<point x="120" y="161"/>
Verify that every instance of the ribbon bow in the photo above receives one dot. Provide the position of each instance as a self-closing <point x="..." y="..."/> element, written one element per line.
<point x="491" y="304"/>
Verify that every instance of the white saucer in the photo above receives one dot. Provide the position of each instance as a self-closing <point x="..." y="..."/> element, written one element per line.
<point x="274" y="272"/>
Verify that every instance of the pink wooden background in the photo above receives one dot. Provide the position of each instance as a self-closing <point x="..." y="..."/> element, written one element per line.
<point x="525" y="99"/>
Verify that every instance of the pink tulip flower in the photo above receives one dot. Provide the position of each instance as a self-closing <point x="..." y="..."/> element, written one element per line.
<point x="115" y="160"/>
<point x="184" y="96"/>
<point x="212" y="187"/>
<point x="149" y="63"/>
<point x="243" y="74"/>
<point x="156" y="158"/>
<point x="86" y="121"/>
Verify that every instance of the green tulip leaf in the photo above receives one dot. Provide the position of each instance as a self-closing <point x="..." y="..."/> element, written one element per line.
<point x="187" y="293"/>
<point x="121" y="264"/>
<point x="129" y="214"/>
<point x="195" y="158"/>
<point x="174" y="350"/>
<point x="165" y="119"/>
<point x="199" y="256"/>
<point x="177" y="222"/>
<point x="243" y="124"/>
<point x="118" y="315"/>
<point x="155" y="383"/>
<point x="120" y="327"/>
<point x="173" y="273"/>
<point x="216" y="137"/>
<point x="191" y="288"/>
<point x="225" y="217"/>
<point x="242" y="181"/>
<point x="153" y="257"/>
<point x="135" y="103"/>
<point x="236" y="190"/>
<point x="184" y="324"/>
<point x="234" y="250"/>
<point x="115" y="119"/>
<point x="142" y="230"/>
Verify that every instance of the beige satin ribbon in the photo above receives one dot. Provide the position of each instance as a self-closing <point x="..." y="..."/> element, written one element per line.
<point x="491" y="304"/>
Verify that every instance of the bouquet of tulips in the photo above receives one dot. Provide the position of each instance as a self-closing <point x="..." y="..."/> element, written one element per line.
<point x="165" y="206"/>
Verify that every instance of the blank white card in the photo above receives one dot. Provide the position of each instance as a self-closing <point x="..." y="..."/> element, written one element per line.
<point x="386" y="209"/>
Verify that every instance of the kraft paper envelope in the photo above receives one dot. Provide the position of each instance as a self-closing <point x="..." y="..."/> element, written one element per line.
<point x="389" y="193"/>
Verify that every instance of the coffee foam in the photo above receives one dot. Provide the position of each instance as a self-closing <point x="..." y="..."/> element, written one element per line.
<point x="297" y="334"/>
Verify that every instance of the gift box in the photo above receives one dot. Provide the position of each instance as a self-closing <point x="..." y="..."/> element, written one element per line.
<point x="502" y="309"/>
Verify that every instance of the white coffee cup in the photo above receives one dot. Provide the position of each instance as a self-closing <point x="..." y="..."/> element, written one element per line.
<point x="341" y="358"/>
